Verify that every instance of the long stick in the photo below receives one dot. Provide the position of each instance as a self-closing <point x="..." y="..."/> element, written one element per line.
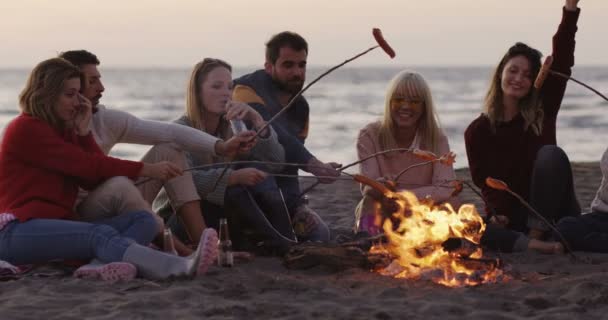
<point x="414" y="166"/>
<point x="565" y="76"/>
<point x="355" y="163"/>
<point x="222" y="164"/>
<point x="547" y="222"/>
<point x="292" y="101"/>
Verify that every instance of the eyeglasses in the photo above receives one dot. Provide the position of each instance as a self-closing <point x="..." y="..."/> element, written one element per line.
<point x="400" y="101"/>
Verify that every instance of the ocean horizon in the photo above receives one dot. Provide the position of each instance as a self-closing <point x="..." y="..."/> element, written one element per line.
<point x="345" y="101"/>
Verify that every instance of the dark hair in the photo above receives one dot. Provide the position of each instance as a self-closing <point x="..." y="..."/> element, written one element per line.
<point x="521" y="49"/>
<point x="530" y="105"/>
<point x="79" y="57"/>
<point x="284" y="39"/>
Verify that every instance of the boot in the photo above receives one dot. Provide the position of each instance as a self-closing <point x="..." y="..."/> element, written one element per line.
<point x="158" y="265"/>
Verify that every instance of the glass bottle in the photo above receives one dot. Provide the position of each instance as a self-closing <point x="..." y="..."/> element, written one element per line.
<point x="238" y="126"/>
<point x="225" y="257"/>
<point x="168" y="245"/>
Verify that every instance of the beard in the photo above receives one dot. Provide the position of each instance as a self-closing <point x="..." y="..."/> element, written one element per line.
<point x="293" y="85"/>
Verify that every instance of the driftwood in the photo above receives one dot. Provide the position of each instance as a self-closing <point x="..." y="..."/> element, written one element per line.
<point x="353" y="254"/>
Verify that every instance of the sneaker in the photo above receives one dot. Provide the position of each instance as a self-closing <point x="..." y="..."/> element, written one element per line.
<point x="112" y="272"/>
<point x="207" y="250"/>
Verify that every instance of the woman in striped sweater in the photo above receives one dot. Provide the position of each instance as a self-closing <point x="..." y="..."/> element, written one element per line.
<point x="246" y="192"/>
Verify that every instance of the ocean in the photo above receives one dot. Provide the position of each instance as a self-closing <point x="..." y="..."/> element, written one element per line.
<point x="346" y="100"/>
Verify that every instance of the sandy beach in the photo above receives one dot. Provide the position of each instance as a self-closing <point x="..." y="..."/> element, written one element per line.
<point x="542" y="286"/>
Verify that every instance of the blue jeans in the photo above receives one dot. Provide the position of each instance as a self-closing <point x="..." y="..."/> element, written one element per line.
<point x="43" y="240"/>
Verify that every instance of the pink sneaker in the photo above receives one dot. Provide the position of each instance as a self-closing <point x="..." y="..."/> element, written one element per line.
<point x="207" y="250"/>
<point x="112" y="272"/>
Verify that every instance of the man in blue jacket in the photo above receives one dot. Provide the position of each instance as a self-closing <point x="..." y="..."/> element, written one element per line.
<point x="268" y="91"/>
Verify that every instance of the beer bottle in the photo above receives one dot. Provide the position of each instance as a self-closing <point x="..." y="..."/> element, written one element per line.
<point x="224" y="258"/>
<point x="168" y="245"/>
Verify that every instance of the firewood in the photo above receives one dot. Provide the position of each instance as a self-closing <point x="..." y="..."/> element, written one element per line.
<point x="336" y="257"/>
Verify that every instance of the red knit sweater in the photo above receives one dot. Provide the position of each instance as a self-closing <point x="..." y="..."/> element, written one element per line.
<point x="509" y="153"/>
<point x="42" y="168"/>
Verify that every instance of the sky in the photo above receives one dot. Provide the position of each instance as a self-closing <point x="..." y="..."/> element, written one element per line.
<point x="179" y="33"/>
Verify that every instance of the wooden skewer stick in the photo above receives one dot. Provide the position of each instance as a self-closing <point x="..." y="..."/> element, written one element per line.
<point x="565" y="76"/>
<point x="501" y="185"/>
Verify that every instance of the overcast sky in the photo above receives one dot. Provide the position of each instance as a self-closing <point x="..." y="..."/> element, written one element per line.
<point x="178" y="33"/>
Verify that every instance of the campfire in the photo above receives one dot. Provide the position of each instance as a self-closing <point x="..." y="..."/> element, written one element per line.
<point x="434" y="242"/>
<point x="421" y="240"/>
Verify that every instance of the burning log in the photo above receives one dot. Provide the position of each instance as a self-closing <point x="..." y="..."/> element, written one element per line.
<point x="481" y="263"/>
<point x="460" y="247"/>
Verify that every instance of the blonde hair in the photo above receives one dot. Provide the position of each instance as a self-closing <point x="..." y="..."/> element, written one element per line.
<point x="195" y="111"/>
<point x="411" y="85"/>
<point x="530" y="106"/>
<point x="43" y="88"/>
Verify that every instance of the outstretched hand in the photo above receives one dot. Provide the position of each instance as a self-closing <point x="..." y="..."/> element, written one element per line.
<point x="327" y="171"/>
<point x="163" y="170"/>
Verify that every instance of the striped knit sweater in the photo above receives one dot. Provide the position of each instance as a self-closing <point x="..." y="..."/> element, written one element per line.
<point x="267" y="149"/>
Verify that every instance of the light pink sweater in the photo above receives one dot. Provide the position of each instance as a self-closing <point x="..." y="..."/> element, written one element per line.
<point x="419" y="180"/>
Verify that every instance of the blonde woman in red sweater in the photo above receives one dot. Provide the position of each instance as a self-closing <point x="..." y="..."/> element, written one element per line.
<point x="46" y="154"/>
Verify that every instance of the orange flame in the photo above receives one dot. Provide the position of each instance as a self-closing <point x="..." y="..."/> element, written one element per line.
<point x="416" y="234"/>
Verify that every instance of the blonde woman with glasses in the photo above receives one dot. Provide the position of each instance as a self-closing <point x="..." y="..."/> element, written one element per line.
<point x="409" y="121"/>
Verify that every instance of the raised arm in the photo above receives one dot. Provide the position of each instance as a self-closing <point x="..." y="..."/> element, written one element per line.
<point x="563" y="59"/>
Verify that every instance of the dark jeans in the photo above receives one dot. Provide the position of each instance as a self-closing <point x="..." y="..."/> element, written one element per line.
<point x="551" y="194"/>
<point x="259" y="209"/>
<point x="588" y="232"/>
